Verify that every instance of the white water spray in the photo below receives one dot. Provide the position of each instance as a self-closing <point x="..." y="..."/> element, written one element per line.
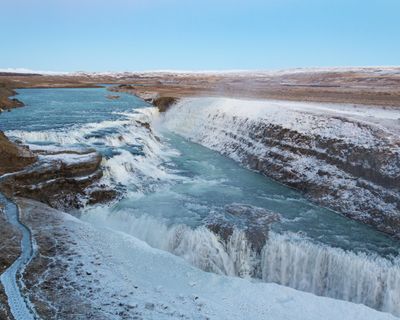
<point x="332" y="272"/>
<point x="285" y="259"/>
<point x="121" y="138"/>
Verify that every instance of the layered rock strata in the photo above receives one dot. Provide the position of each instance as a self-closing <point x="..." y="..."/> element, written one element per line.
<point x="347" y="159"/>
<point x="62" y="178"/>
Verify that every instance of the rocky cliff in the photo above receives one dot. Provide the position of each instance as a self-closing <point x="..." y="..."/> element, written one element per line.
<point x="13" y="157"/>
<point x="343" y="157"/>
<point x="61" y="178"/>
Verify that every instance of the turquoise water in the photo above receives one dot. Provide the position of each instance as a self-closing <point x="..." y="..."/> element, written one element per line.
<point x="218" y="181"/>
<point x="171" y="185"/>
<point x="64" y="108"/>
<point x="183" y="186"/>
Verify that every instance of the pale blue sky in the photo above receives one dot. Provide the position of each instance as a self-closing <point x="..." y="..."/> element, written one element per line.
<point x="123" y="35"/>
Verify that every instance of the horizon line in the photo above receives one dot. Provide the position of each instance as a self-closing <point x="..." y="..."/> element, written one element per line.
<point x="210" y="71"/>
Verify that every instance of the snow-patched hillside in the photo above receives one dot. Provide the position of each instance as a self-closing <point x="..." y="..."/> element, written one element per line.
<point x="377" y="70"/>
<point x="110" y="275"/>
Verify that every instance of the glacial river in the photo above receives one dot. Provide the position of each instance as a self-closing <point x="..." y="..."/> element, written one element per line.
<point x="170" y="185"/>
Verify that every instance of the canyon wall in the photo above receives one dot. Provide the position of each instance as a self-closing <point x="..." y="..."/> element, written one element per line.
<point x="344" y="157"/>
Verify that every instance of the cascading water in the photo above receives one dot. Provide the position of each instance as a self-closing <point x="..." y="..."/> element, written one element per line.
<point x="312" y="147"/>
<point x="171" y="185"/>
<point x="332" y="272"/>
<point x="288" y="259"/>
<point x="199" y="246"/>
<point x="122" y="142"/>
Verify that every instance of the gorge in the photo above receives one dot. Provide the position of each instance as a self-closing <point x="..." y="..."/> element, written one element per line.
<point x="166" y="178"/>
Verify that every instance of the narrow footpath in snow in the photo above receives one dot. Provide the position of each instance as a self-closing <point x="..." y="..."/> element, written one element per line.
<point x="11" y="278"/>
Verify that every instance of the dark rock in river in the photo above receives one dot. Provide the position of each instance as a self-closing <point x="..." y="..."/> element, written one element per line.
<point x="163" y="103"/>
<point x="111" y="97"/>
<point x="102" y="195"/>
<point x="144" y="125"/>
<point x="7" y="103"/>
<point x="253" y="221"/>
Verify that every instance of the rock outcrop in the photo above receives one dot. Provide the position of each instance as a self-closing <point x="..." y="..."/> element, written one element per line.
<point x="253" y="221"/>
<point x="359" y="181"/>
<point x="164" y="103"/>
<point x="10" y="242"/>
<point x="51" y="277"/>
<point x="63" y="179"/>
<point x="7" y="103"/>
<point x="13" y="157"/>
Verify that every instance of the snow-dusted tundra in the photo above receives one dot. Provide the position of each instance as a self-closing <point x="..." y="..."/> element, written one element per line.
<point x="345" y="157"/>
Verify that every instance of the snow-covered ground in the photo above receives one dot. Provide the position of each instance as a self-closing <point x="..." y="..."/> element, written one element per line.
<point x="380" y="70"/>
<point x="300" y="116"/>
<point x="125" y="278"/>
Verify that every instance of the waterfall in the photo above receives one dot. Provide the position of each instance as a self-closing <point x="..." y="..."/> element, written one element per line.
<point x="132" y="153"/>
<point x="227" y="127"/>
<point x="286" y="259"/>
<point x="199" y="246"/>
<point x="332" y="272"/>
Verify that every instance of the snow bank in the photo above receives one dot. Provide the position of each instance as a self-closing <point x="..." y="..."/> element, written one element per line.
<point x="289" y="259"/>
<point x="168" y="287"/>
<point x="309" y="118"/>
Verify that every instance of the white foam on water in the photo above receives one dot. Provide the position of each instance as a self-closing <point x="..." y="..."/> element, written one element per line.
<point x="167" y="287"/>
<point x="123" y="167"/>
<point x="332" y="272"/>
<point x="199" y="246"/>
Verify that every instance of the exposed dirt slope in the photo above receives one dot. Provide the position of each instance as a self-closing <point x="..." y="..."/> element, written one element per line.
<point x="13" y="157"/>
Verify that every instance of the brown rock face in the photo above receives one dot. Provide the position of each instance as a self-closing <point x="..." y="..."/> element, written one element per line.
<point x="102" y="196"/>
<point x="253" y="221"/>
<point x="163" y="103"/>
<point x="9" y="242"/>
<point x="12" y="157"/>
<point x="354" y="179"/>
<point x="50" y="278"/>
<point x="7" y="103"/>
<point x="60" y="179"/>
